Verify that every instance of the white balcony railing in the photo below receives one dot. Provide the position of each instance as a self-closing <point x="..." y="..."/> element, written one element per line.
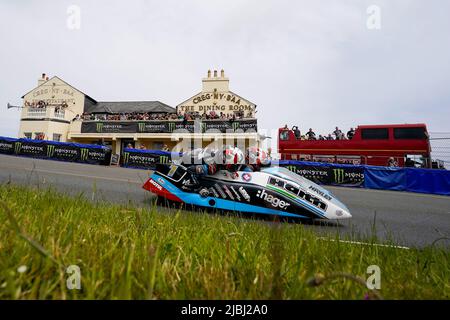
<point x="60" y="114"/>
<point x="36" y="112"/>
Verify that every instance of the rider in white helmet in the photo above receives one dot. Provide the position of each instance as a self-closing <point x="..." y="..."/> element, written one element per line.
<point x="230" y="158"/>
<point x="256" y="158"/>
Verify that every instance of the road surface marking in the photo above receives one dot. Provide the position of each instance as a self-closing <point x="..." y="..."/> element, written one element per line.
<point x="367" y="243"/>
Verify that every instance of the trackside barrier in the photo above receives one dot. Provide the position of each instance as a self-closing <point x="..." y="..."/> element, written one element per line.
<point x="431" y="181"/>
<point x="145" y="159"/>
<point x="53" y="150"/>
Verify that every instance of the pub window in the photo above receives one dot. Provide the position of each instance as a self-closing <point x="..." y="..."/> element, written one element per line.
<point x="158" y="145"/>
<point x="56" y="137"/>
<point x="410" y="133"/>
<point x="373" y="134"/>
<point x="28" y="135"/>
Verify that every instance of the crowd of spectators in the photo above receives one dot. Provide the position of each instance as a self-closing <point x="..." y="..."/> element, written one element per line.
<point x="212" y="115"/>
<point x="41" y="104"/>
<point x="187" y="116"/>
<point x="311" y="135"/>
<point x="129" y="116"/>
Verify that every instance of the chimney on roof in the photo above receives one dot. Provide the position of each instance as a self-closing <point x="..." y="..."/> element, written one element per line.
<point x="215" y="83"/>
<point x="42" y="79"/>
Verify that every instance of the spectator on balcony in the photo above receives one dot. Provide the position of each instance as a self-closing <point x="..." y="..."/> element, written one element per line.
<point x="142" y="147"/>
<point x="311" y="135"/>
<point x="350" y="133"/>
<point x="321" y="137"/>
<point x="330" y="137"/>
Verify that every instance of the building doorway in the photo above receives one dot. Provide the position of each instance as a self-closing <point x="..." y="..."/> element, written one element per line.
<point x="127" y="143"/>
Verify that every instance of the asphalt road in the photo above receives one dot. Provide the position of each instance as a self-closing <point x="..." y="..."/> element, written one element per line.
<point x="408" y="219"/>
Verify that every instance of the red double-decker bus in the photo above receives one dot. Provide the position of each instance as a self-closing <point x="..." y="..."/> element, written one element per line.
<point x="407" y="144"/>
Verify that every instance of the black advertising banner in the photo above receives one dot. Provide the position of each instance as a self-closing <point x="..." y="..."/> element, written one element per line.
<point x="44" y="149"/>
<point x="329" y="175"/>
<point x="30" y="148"/>
<point x="165" y="126"/>
<point x="7" y="145"/>
<point x="144" y="159"/>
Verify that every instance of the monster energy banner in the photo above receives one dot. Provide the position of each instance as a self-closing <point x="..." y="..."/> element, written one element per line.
<point x="7" y="145"/>
<point x="144" y="159"/>
<point x="164" y="126"/>
<point x="327" y="174"/>
<point x="44" y="149"/>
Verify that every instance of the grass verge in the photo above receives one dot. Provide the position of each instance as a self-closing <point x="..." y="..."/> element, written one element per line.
<point x="133" y="253"/>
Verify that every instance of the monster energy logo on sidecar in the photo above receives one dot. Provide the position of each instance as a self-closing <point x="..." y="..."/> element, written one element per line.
<point x="163" y="159"/>
<point x="50" y="150"/>
<point x="84" y="153"/>
<point x="339" y="175"/>
<point x="17" y="147"/>
<point x="292" y="168"/>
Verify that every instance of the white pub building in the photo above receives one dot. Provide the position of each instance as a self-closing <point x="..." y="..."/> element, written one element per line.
<point x="55" y="110"/>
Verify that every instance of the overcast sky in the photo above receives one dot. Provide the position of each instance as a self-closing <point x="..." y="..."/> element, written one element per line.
<point x="310" y="63"/>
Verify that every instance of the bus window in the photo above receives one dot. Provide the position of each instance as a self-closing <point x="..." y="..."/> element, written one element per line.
<point x="373" y="134"/>
<point x="410" y="133"/>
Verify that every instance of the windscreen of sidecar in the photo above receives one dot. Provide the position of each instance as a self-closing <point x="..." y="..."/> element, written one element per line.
<point x="289" y="175"/>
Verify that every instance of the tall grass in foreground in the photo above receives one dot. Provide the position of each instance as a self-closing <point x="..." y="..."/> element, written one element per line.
<point x="134" y="253"/>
